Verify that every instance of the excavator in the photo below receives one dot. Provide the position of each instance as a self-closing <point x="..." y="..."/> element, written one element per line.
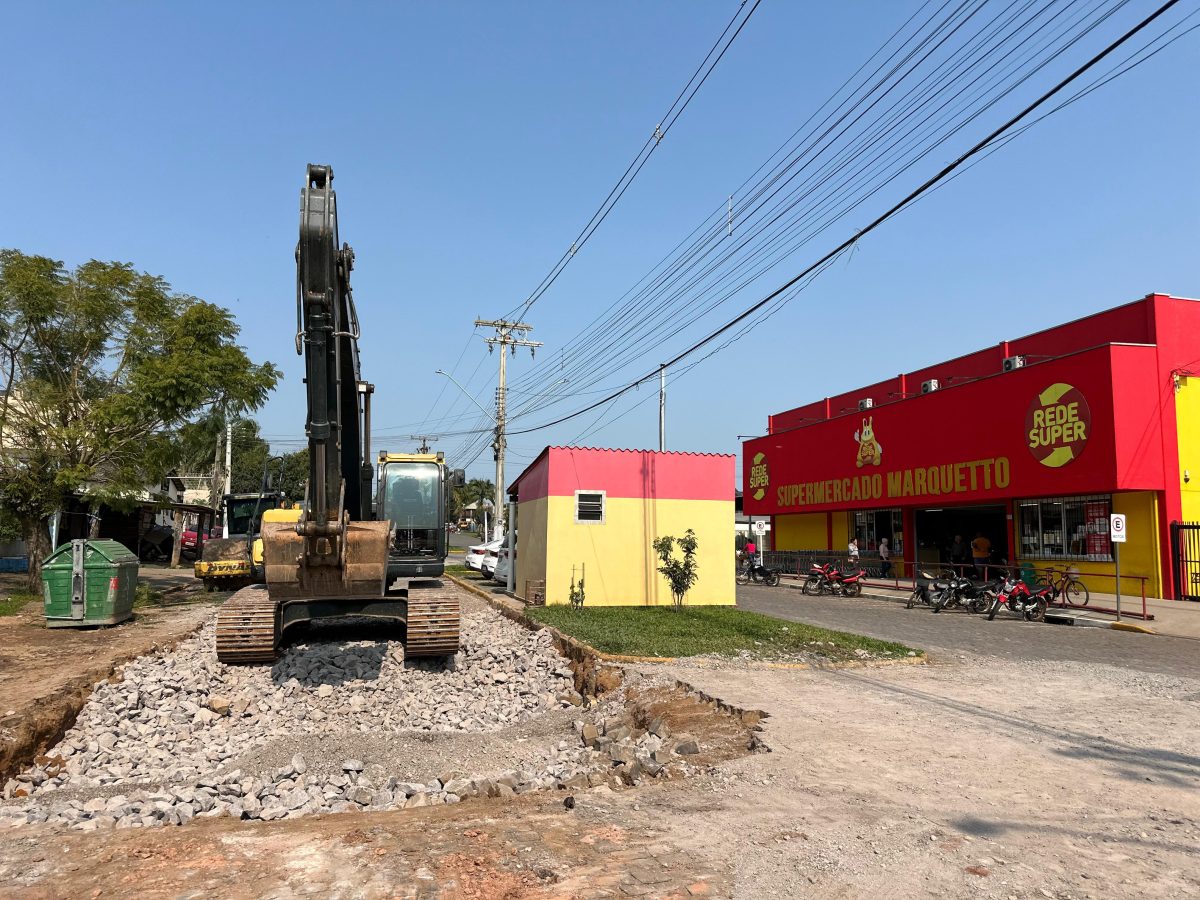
<point x="339" y="554"/>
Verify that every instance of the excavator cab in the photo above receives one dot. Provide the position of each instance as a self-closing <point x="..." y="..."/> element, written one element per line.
<point x="412" y="496"/>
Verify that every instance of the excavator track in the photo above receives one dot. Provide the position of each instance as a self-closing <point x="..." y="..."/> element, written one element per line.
<point x="433" y="620"/>
<point x="248" y="627"/>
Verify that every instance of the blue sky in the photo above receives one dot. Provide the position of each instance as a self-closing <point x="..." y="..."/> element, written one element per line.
<point x="471" y="141"/>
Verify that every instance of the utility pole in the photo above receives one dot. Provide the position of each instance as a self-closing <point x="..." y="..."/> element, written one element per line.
<point x="424" y="439"/>
<point x="228" y="468"/>
<point x="508" y="335"/>
<point x="662" y="407"/>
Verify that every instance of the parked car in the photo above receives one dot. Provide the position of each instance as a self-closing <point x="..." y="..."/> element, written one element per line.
<point x="187" y="540"/>
<point x="477" y="553"/>
<point x="487" y="565"/>
<point x="500" y="572"/>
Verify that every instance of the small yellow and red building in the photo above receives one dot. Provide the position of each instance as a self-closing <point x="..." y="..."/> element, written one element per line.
<point x="593" y="513"/>
<point x="1033" y="443"/>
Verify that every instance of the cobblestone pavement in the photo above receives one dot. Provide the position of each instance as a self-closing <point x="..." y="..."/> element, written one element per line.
<point x="958" y="632"/>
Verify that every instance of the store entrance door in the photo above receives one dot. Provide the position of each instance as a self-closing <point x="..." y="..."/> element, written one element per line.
<point x="937" y="528"/>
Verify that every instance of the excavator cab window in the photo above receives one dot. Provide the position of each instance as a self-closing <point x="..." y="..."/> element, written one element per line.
<point x="412" y="503"/>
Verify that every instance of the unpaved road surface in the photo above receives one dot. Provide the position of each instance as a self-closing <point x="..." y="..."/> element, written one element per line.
<point x="981" y="777"/>
<point x="975" y="776"/>
<point x="959" y="632"/>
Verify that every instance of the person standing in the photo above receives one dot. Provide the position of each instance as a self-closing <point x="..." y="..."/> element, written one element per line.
<point x="981" y="552"/>
<point x="960" y="553"/>
<point x="852" y="551"/>
<point x="885" y="561"/>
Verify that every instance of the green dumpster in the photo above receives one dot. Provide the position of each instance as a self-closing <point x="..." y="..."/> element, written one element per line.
<point x="89" y="583"/>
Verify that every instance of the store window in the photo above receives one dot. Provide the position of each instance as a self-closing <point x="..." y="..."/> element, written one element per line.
<point x="872" y="525"/>
<point x="1066" y="528"/>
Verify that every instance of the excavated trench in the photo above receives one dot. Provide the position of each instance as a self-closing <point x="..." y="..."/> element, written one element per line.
<point x="605" y="726"/>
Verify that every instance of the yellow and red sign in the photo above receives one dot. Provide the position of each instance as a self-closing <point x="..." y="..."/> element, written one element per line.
<point x="759" y="476"/>
<point x="1058" y="425"/>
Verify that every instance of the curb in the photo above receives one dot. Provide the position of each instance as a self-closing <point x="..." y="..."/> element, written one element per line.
<point x="1129" y="626"/>
<point x="697" y="661"/>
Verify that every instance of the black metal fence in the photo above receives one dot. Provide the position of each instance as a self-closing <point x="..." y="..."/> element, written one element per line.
<point x="1185" y="559"/>
<point x="799" y="562"/>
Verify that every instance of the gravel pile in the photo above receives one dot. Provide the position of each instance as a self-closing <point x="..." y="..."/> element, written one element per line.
<point x="179" y="721"/>
<point x="605" y="752"/>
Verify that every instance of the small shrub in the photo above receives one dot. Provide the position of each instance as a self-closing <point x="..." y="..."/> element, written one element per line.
<point x="681" y="574"/>
<point x="576" y="595"/>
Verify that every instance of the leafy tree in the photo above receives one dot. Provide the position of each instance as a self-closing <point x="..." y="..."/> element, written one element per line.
<point x="474" y="491"/>
<point x="681" y="574"/>
<point x="103" y="370"/>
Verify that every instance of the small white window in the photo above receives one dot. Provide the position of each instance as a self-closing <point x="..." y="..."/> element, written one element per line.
<point x="589" y="507"/>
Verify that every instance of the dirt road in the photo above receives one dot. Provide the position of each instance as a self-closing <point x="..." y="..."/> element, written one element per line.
<point x="977" y="776"/>
<point x="981" y="777"/>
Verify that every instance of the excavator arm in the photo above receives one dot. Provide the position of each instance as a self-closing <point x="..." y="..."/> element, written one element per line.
<point x="332" y="560"/>
<point x="333" y="551"/>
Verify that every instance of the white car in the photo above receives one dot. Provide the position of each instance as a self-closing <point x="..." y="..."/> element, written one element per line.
<point x="477" y="554"/>
<point x="500" y="572"/>
<point x="487" y="565"/>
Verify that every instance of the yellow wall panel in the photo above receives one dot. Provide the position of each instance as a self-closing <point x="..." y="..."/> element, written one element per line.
<point x="801" y="531"/>
<point x="1187" y="419"/>
<point x="841" y="530"/>
<point x="620" y="566"/>
<point x="531" y="544"/>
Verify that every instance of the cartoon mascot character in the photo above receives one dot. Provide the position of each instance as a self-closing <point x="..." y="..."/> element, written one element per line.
<point x="869" y="450"/>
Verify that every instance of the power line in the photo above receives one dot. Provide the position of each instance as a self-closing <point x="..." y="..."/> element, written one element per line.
<point x="676" y="315"/>
<point x="896" y="208"/>
<point x="639" y="161"/>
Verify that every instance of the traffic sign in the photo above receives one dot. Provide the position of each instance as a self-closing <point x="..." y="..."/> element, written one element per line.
<point x="760" y="527"/>
<point x="1116" y="528"/>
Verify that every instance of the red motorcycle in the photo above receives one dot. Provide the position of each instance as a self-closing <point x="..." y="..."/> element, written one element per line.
<point x="830" y="579"/>
<point x="1021" y="599"/>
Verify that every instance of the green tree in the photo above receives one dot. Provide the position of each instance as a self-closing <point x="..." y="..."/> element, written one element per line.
<point x="681" y="574"/>
<point x="103" y="368"/>
<point x="474" y="491"/>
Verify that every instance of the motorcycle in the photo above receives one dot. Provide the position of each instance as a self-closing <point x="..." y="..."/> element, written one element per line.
<point x="758" y="574"/>
<point x="1020" y="600"/>
<point x="958" y="590"/>
<point x="924" y="588"/>
<point x="829" y="578"/>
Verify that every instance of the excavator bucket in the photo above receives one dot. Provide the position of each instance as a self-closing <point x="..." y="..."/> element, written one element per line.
<point x="361" y="574"/>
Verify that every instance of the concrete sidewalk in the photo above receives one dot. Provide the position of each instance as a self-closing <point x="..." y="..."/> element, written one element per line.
<point x="1179" y="618"/>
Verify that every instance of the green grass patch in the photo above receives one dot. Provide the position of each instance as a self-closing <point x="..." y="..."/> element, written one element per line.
<point x="13" y="603"/>
<point x="144" y="595"/>
<point x="465" y="572"/>
<point x="705" y="630"/>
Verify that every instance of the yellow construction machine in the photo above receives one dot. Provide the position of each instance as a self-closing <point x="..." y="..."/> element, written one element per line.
<point x="236" y="560"/>
<point x="333" y="559"/>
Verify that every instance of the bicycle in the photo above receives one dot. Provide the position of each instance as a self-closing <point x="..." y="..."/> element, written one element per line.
<point x="1064" y="584"/>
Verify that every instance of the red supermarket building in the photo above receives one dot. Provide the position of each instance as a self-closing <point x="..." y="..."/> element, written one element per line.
<point x="1032" y="442"/>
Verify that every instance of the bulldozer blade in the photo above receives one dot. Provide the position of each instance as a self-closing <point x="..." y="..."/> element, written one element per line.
<point x="361" y="575"/>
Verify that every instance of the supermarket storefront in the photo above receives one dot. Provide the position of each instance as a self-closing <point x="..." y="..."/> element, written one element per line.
<point x="1093" y="417"/>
